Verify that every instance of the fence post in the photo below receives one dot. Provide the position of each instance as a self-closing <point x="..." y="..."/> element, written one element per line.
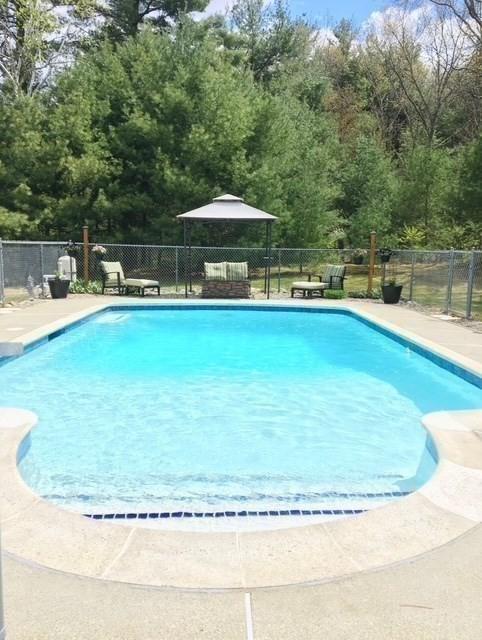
<point x="301" y="261"/>
<point x="450" y="281"/>
<point x="177" y="269"/>
<point x="412" y="276"/>
<point x="470" y="286"/>
<point x="371" y="267"/>
<point x="42" y="265"/>
<point x="279" y="270"/>
<point x="2" y="279"/>
<point x="85" y="230"/>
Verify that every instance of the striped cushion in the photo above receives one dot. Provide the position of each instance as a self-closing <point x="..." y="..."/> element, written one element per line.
<point x="334" y="270"/>
<point x="111" y="269"/>
<point x="215" y="270"/>
<point x="237" y="271"/>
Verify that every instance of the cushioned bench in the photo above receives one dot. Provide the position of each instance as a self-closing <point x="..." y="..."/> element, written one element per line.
<point x="226" y="280"/>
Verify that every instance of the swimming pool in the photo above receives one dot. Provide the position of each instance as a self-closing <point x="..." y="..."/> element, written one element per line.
<point x="217" y="409"/>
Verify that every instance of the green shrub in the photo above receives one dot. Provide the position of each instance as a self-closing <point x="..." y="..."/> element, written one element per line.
<point x="81" y="286"/>
<point x="376" y="294"/>
<point x="335" y="294"/>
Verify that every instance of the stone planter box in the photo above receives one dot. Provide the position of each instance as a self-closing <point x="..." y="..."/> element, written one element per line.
<point x="226" y="289"/>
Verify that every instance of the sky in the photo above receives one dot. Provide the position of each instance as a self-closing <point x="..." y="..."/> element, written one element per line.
<point x="322" y="11"/>
<point x="334" y="10"/>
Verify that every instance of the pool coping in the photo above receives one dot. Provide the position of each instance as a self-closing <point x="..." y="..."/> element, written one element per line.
<point x="448" y="506"/>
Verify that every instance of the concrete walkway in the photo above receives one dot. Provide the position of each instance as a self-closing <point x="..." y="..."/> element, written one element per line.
<point x="435" y="596"/>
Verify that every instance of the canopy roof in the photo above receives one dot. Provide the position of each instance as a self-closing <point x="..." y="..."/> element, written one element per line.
<point x="227" y="208"/>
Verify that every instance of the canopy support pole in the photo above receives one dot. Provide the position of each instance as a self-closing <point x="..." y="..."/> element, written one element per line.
<point x="185" y="259"/>
<point x="265" y="284"/>
<point x="268" y="255"/>
<point x="189" y="239"/>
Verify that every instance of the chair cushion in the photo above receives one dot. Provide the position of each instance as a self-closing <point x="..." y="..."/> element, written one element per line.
<point x="309" y="285"/>
<point x="139" y="282"/>
<point x="334" y="270"/>
<point x="110" y="270"/>
<point x="215" y="270"/>
<point x="237" y="271"/>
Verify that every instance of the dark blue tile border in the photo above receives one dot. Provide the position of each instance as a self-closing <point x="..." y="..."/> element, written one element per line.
<point x="223" y="514"/>
<point x="5" y="359"/>
<point x="257" y="513"/>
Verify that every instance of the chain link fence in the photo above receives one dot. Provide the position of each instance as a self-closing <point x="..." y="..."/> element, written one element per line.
<point x="450" y="281"/>
<point x="23" y="266"/>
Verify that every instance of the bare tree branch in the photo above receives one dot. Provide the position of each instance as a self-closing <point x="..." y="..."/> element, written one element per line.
<point x="424" y="52"/>
<point x="468" y="14"/>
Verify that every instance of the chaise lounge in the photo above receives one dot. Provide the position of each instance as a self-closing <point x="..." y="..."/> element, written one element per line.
<point x="332" y="278"/>
<point x="113" y="278"/>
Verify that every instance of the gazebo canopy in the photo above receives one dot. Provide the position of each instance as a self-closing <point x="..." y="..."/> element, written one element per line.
<point x="227" y="208"/>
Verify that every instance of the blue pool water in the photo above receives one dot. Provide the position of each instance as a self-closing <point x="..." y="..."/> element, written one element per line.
<point x="218" y="409"/>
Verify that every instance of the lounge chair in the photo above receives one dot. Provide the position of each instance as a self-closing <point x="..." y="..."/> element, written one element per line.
<point x="113" y="278"/>
<point x="332" y="278"/>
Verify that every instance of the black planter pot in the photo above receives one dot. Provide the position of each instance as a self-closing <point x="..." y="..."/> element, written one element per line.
<point x="385" y="255"/>
<point x="391" y="293"/>
<point x="59" y="288"/>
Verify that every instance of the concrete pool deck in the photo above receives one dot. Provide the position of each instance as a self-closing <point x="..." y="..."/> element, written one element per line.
<point x="410" y="569"/>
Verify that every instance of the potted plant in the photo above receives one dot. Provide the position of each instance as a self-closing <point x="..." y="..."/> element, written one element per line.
<point x="99" y="251"/>
<point x="391" y="291"/>
<point x="358" y="255"/>
<point x="385" y="255"/>
<point x="59" y="286"/>
<point x="71" y="249"/>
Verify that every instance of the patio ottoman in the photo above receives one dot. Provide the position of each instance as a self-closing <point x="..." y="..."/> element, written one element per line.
<point x="309" y="287"/>
<point x="141" y="285"/>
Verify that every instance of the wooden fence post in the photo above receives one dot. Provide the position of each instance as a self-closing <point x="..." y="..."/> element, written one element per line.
<point x="85" y="230"/>
<point x="371" y="267"/>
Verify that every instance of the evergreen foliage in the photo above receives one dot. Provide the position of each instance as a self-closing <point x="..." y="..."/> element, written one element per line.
<point x="153" y="113"/>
